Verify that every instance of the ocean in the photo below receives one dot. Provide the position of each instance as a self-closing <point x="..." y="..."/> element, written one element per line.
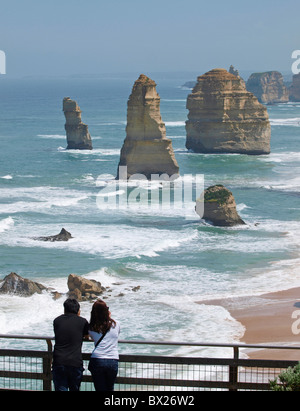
<point x="176" y="262"/>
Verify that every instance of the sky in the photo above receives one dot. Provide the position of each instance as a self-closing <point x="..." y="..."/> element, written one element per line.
<point x="62" y="37"/>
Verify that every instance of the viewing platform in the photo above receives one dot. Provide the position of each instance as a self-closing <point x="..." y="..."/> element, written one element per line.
<point x="30" y="370"/>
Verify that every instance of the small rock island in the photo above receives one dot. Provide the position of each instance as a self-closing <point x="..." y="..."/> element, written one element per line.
<point x="219" y="207"/>
<point x="64" y="235"/>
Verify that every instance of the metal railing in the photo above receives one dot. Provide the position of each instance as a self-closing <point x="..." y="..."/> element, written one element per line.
<point x="22" y="369"/>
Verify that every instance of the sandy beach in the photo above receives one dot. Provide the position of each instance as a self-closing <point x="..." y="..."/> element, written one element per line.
<point x="269" y="319"/>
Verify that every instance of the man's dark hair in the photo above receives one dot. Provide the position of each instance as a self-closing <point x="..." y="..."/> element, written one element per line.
<point x="71" y="306"/>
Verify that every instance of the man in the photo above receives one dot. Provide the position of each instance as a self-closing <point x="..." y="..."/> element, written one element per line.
<point x="69" y="330"/>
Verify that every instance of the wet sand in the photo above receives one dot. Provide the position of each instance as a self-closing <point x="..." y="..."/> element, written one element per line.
<point x="268" y="321"/>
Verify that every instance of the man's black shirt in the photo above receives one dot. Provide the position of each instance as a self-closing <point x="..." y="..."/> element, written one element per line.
<point x="69" y="330"/>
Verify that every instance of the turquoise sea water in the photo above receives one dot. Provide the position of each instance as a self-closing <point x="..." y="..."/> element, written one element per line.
<point x="175" y="261"/>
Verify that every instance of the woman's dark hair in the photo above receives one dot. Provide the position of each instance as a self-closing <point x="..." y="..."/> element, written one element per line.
<point x="71" y="306"/>
<point x="100" y="318"/>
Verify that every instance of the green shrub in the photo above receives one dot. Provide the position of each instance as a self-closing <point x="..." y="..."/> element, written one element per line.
<point x="288" y="380"/>
<point x="218" y="194"/>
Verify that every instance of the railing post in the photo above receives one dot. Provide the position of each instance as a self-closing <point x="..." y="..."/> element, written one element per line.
<point x="47" y="362"/>
<point x="233" y="370"/>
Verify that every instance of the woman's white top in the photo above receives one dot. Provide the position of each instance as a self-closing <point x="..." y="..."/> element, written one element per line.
<point x="108" y="348"/>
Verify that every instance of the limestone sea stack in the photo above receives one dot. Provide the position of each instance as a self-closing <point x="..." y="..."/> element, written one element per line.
<point x="268" y="87"/>
<point x="78" y="136"/>
<point x="295" y="88"/>
<point x="226" y="118"/>
<point x="219" y="207"/>
<point x="146" y="149"/>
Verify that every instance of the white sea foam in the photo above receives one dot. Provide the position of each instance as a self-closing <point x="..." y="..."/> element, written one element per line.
<point x="207" y="322"/>
<point x="7" y="177"/>
<point x="175" y="100"/>
<point x="279" y="275"/>
<point x="37" y="315"/>
<point x="291" y="185"/>
<point x="6" y="224"/>
<point x="94" y="152"/>
<point x="295" y="122"/>
<point x="39" y="199"/>
<point x="53" y="136"/>
<point x="112" y="123"/>
<point x="288" y="184"/>
<point x="241" y="207"/>
<point x="282" y="157"/>
<point x="175" y="123"/>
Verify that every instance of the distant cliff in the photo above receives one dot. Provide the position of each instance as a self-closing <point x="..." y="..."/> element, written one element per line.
<point x="268" y="87"/>
<point x="295" y="88"/>
<point x="78" y="136"/>
<point x="226" y="118"/>
<point x="146" y="150"/>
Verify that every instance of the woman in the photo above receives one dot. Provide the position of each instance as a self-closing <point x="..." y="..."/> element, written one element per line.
<point x="105" y="358"/>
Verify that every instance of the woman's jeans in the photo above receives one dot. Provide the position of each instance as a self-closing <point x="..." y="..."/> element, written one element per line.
<point x="104" y="373"/>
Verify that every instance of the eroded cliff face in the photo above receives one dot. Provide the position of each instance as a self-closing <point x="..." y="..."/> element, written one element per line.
<point x="146" y="150"/>
<point x="78" y="136"/>
<point x="226" y="118"/>
<point x="268" y="87"/>
<point x="295" y="88"/>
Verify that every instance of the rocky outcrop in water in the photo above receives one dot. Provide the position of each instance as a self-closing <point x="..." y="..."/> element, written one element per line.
<point x="14" y="284"/>
<point x="268" y="87"/>
<point x="226" y="118"/>
<point x="82" y="289"/>
<point x="295" y="88"/>
<point x="219" y="207"/>
<point x="78" y="136"/>
<point x="146" y="150"/>
<point x="64" y="235"/>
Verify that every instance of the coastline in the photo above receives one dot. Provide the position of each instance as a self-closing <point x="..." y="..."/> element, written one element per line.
<point x="267" y="320"/>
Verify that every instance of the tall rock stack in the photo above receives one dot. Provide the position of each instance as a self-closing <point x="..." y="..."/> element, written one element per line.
<point x="295" y="88"/>
<point x="268" y="87"/>
<point x="225" y="118"/>
<point x="146" y="150"/>
<point x="78" y="136"/>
